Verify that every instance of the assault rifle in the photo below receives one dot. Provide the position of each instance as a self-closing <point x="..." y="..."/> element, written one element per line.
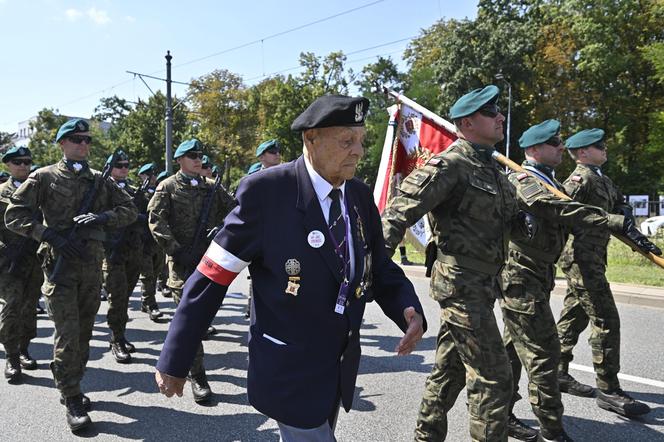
<point x="117" y="245"/>
<point x="203" y="220"/>
<point x="86" y="206"/>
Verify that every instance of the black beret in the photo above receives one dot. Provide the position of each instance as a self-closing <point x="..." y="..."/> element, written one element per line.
<point x="333" y="110"/>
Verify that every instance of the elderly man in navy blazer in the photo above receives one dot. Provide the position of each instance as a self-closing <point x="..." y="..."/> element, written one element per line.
<point x="311" y="282"/>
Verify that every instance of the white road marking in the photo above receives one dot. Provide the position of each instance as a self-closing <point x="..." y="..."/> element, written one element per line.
<point x="627" y="377"/>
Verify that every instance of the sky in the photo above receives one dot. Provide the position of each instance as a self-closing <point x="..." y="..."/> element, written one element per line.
<point x="68" y="54"/>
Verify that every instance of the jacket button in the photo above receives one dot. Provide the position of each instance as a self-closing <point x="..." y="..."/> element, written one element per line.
<point x="350" y="333"/>
<point x="347" y="303"/>
<point x="341" y="359"/>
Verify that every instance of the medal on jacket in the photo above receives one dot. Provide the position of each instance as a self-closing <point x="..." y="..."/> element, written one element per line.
<point x="194" y="182"/>
<point x="293" y="270"/>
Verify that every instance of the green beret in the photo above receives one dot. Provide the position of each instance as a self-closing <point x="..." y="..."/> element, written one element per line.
<point x="120" y="155"/>
<point x="147" y="169"/>
<point x="34" y="167"/>
<point x="162" y="176"/>
<point x="584" y="138"/>
<point x="472" y="101"/>
<point x="71" y="127"/>
<point x="4" y="174"/>
<point x="254" y="168"/>
<point x="188" y="146"/>
<point x="267" y="145"/>
<point x="332" y="110"/>
<point x="14" y="152"/>
<point x="539" y="133"/>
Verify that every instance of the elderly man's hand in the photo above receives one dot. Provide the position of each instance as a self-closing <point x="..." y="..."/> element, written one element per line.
<point x="169" y="385"/>
<point x="413" y="334"/>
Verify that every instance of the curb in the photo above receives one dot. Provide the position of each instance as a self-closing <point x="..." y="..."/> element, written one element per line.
<point x="638" y="295"/>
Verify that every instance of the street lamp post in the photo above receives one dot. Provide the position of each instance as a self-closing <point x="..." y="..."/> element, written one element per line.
<point x="500" y="76"/>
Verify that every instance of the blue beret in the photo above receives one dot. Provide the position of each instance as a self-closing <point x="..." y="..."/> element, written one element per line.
<point x="71" y="127"/>
<point x="215" y="170"/>
<point x="188" y="146"/>
<point x="206" y="160"/>
<point x="266" y="145"/>
<point x="16" y="151"/>
<point x="119" y="154"/>
<point x="474" y="100"/>
<point x="584" y="138"/>
<point x="539" y="133"/>
<point x="4" y="175"/>
<point x="254" y="168"/>
<point x="162" y="176"/>
<point x="333" y="110"/>
<point x="34" y="167"/>
<point x="149" y="168"/>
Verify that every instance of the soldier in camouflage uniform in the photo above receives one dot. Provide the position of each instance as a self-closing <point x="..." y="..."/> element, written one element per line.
<point x="20" y="276"/>
<point x="173" y="217"/>
<point x="530" y="329"/>
<point x="589" y="298"/>
<point x="153" y="259"/>
<point x="472" y="208"/>
<point x="72" y="297"/>
<point x="122" y="260"/>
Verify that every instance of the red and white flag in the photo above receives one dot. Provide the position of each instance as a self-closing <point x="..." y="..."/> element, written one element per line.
<point x="417" y="139"/>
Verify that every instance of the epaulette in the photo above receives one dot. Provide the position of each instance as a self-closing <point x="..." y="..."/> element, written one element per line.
<point x="576" y="178"/>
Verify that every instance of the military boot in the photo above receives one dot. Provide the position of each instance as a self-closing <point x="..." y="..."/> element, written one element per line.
<point x="571" y="386"/>
<point x="562" y="437"/>
<point x="153" y="311"/>
<point x="77" y="417"/>
<point x="87" y="405"/>
<point x="211" y="331"/>
<point x="519" y="430"/>
<point x="120" y="352"/>
<point x="13" y="368"/>
<point x="26" y="361"/>
<point x="621" y="403"/>
<point x="128" y="346"/>
<point x="200" y="388"/>
<point x="166" y="292"/>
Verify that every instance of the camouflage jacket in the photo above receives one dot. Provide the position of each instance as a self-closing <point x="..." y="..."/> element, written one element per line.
<point x="533" y="251"/>
<point x="58" y="193"/>
<point x="127" y="242"/>
<point x="471" y="207"/>
<point x="175" y="208"/>
<point x="9" y="240"/>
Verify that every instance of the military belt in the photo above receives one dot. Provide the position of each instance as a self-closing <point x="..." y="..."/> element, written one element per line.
<point x="532" y="252"/>
<point x="86" y="233"/>
<point x="470" y="263"/>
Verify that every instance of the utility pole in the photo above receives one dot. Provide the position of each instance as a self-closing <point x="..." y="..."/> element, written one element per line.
<point x="169" y="116"/>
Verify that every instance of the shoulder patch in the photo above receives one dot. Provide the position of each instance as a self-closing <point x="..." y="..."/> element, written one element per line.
<point x="434" y="161"/>
<point x="522" y="176"/>
<point x="531" y="190"/>
<point x="576" y="178"/>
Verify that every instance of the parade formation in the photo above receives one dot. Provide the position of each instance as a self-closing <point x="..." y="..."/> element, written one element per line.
<point x="68" y="231"/>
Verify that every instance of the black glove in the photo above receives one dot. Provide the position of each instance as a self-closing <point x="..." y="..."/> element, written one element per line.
<point x="91" y="219"/>
<point x="185" y="258"/>
<point x="527" y="224"/>
<point x="638" y="238"/>
<point x="67" y="248"/>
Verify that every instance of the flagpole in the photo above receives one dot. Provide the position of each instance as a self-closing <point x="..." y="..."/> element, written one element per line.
<point x="395" y="146"/>
<point x="421" y="109"/>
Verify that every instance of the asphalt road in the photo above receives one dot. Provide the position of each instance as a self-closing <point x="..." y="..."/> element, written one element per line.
<point x="126" y="404"/>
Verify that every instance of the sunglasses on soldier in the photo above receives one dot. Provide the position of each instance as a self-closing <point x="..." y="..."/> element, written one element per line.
<point x="78" y="139"/>
<point x="194" y="155"/>
<point x="205" y="166"/>
<point x="273" y="151"/>
<point x="554" y="141"/>
<point x="599" y="146"/>
<point x="18" y="162"/>
<point x="489" y="111"/>
<point x="121" y="165"/>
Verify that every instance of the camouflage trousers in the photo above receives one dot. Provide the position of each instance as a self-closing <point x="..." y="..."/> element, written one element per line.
<point x="120" y="279"/>
<point x="72" y="304"/>
<point x="589" y="301"/>
<point x="531" y="339"/>
<point x="197" y="366"/>
<point x="469" y="353"/>
<point x="152" y="265"/>
<point x="18" y="302"/>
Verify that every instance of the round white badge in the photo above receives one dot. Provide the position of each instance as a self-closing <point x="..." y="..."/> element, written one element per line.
<point x="316" y="239"/>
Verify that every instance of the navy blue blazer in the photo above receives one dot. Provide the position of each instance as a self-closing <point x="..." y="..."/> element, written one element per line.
<point x="297" y="381"/>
